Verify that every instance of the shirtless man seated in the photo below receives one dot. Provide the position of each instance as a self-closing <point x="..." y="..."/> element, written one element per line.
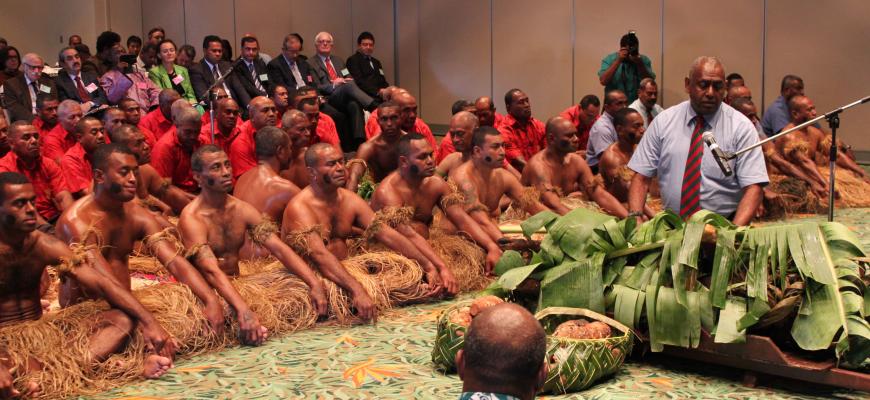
<point x="111" y="221"/>
<point x="378" y="154"/>
<point x="414" y="185"/>
<point x="151" y="187"/>
<point x="462" y="126"/>
<point x="27" y="252"/>
<point x="213" y="227"/>
<point x="261" y="186"/>
<point x="483" y="181"/>
<point x="298" y="129"/>
<point x="328" y="212"/>
<point x="613" y="163"/>
<point x="558" y="168"/>
<point x="811" y="138"/>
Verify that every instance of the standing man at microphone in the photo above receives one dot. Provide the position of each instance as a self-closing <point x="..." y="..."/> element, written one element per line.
<point x="690" y="178"/>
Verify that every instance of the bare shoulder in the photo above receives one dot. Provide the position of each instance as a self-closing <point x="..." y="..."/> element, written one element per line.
<point x="435" y="185"/>
<point x="367" y="149"/>
<point x="75" y="221"/>
<point x="49" y="248"/>
<point x="244" y="210"/>
<point x="575" y="160"/>
<point x="349" y="199"/>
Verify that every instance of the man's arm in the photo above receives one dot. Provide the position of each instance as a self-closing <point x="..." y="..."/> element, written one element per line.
<point x="180" y="268"/>
<point x="792" y="151"/>
<point x="789" y="169"/>
<point x="520" y="195"/>
<point x="164" y="190"/>
<point x="300" y="219"/>
<point x="194" y="236"/>
<point x="465" y="223"/>
<point x="642" y="70"/>
<point x="596" y="191"/>
<point x="637" y="194"/>
<point x="356" y="169"/>
<point x="609" y="67"/>
<point x="752" y="196"/>
<point x="540" y="180"/>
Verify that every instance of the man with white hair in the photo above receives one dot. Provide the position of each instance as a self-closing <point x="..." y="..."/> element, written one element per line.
<point x="21" y="91"/>
<point x="673" y="149"/>
<point x="333" y="80"/>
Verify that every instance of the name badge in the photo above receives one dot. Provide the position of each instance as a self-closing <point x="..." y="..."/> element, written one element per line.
<point x="345" y="72"/>
<point x="91" y="87"/>
<point x="178" y="79"/>
<point x="264" y="77"/>
<point x="44" y="89"/>
<point x="309" y="79"/>
<point x="142" y="85"/>
<point x="381" y="70"/>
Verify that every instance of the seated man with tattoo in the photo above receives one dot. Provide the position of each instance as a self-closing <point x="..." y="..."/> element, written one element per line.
<point x="558" y="170"/>
<point x="27" y="252"/>
<point x="111" y="221"/>
<point x="326" y="213"/>
<point x="414" y="185"/>
<point x="214" y="225"/>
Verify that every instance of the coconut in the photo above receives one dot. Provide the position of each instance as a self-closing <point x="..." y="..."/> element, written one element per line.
<point x="482" y="303"/>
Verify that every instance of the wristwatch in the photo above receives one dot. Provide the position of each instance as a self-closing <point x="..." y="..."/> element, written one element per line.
<point x="634" y="214"/>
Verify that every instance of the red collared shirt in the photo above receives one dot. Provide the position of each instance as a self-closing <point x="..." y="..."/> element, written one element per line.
<point x="39" y="124"/>
<point x="573" y="114"/>
<point x="155" y="122"/>
<point x="522" y="139"/>
<point x="242" y="154"/>
<point x="46" y="178"/>
<point x="150" y="138"/>
<point x="220" y="140"/>
<point x="171" y="161"/>
<point x="372" y="126"/>
<point x="326" y="132"/>
<point x="76" y="167"/>
<point x="419" y="127"/>
<point x="56" y="142"/>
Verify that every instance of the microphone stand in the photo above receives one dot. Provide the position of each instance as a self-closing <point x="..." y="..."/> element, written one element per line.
<point x="833" y="118"/>
<point x="212" y="96"/>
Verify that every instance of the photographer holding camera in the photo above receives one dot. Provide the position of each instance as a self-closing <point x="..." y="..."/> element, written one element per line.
<point x="625" y="68"/>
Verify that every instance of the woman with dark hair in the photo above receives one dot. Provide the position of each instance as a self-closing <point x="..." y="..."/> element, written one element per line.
<point x="168" y="75"/>
<point x="186" y="56"/>
<point x="10" y="61"/>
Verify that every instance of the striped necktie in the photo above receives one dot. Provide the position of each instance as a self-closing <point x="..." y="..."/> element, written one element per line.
<point x="255" y="78"/>
<point x="690" y="200"/>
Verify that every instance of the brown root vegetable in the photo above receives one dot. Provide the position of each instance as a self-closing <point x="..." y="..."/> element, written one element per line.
<point x="461" y="317"/>
<point x="482" y="303"/>
<point x="581" y="329"/>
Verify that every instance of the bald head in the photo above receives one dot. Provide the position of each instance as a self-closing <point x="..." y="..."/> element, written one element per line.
<point x="179" y="106"/>
<point x="737" y="92"/>
<point x="292" y="118"/>
<point x="705" y="84"/>
<point x="183" y="115"/>
<point x="263" y="112"/>
<point x="462" y="126"/>
<point x="69" y="112"/>
<point x="504" y="352"/>
<point x="165" y="100"/>
<point x="561" y="135"/>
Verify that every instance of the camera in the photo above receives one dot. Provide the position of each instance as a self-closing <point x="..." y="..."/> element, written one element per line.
<point x="128" y="58"/>
<point x="633" y="44"/>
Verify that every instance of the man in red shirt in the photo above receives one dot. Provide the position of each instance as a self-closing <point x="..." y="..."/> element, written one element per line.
<point x="408" y="120"/>
<point x="583" y="115"/>
<point x="159" y="121"/>
<point x="60" y="138"/>
<point x="52" y="195"/>
<point x="46" y="114"/>
<point x="242" y="156"/>
<point x="4" y="135"/>
<point x="76" y="163"/>
<point x="133" y="115"/>
<point x="281" y="97"/>
<point x="322" y="125"/>
<point x="171" y="155"/>
<point x="227" y="125"/>
<point x="523" y="135"/>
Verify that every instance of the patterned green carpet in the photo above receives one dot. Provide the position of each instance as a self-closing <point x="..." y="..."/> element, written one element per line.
<point x="391" y="360"/>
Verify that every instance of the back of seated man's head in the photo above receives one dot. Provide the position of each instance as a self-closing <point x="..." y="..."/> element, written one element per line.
<point x="504" y="353"/>
<point x="268" y="140"/>
<point x="461" y="105"/>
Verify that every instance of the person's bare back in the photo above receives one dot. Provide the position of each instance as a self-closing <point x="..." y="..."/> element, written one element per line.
<point x="614" y="167"/>
<point x="267" y="191"/>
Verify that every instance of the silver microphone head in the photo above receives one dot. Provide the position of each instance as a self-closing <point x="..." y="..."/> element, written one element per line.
<point x="708" y="137"/>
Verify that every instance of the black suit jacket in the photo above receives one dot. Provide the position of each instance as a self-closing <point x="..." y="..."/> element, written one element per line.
<point x="279" y="73"/>
<point x="321" y="75"/>
<point x="247" y="89"/>
<point x="66" y="88"/>
<point x="16" y="96"/>
<point x="369" y="79"/>
<point x="201" y="78"/>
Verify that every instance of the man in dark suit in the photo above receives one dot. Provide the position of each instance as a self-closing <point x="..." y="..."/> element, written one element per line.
<point x="204" y="73"/>
<point x="74" y="84"/>
<point x="288" y="69"/>
<point x="333" y="80"/>
<point x="251" y="73"/>
<point x="367" y="71"/>
<point x="20" y="92"/>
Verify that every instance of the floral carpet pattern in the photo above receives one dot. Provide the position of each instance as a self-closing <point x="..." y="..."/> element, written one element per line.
<point x="391" y="360"/>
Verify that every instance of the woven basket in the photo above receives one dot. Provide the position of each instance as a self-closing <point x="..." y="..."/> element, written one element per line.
<point x="575" y="364"/>
<point x="449" y="339"/>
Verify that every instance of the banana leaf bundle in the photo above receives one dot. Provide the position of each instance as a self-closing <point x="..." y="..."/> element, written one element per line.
<point x="671" y="278"/>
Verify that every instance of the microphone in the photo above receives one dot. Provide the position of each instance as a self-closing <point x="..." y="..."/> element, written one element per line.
<point x="718" y="153"/>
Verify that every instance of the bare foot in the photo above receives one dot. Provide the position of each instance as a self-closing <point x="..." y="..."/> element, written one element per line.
<point x="156" y="366"/>
<point x="32" y="389"/>
<point x="264" y="332"/>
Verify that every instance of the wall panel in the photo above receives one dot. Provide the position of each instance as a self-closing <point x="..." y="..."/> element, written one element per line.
<point x="408" y="60"/>
<point x="124" y="17"/>
<point x="597" y="34"/>
<point x="454" y="55"/>
<point x="696" y="28"/>
<point x="310" y="17"/>
<point x="827" y="47"/>
<point x="268" y="20"/>
<point x="532" y="51"/>
<point x="169" y="15"/>
<point x="209" y="17"/>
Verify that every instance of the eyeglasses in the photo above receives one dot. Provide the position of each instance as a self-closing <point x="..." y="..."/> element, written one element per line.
<point x="34" y="66"/>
